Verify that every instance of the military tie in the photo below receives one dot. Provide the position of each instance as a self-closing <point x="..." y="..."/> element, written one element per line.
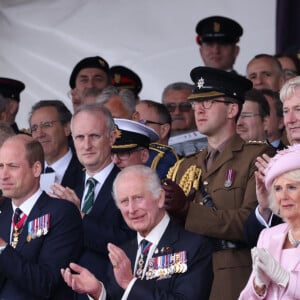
<point x="89" y="197"/>
<point x="211" y="158"/>
<point x="145" y="247"/>
<point x="49" y="170"/>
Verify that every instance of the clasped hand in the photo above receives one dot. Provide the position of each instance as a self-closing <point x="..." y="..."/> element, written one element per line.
<point x="267" y="269"/>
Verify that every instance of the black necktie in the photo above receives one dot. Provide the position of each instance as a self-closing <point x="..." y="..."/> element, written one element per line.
<point x="145" y="247"/>
<point x="17" y="215"/>
<point x="49" y="170"/>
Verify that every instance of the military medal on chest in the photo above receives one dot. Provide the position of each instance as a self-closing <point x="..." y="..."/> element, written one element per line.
<point x="38" y="227"/>
<point x="229" y="178"/>
<point x="17" y="228"/>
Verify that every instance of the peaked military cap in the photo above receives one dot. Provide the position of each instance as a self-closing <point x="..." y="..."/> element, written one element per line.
<point x="212" y="83"/>
<point x="132" y="134"/>
<point x="124" y="78"/>
<point x="88" y="62"/>
<point x="11" y="88"/>
<point x="218" y="29"/>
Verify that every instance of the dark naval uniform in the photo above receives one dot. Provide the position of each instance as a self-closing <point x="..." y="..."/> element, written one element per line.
<point x="161" y="158"/>
<point x="231" y="184"/>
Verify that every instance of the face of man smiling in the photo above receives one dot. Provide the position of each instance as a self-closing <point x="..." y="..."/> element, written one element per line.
<point x="139" y="208"/>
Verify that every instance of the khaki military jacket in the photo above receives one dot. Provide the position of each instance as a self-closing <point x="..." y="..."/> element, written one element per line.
<point x="231" y="184"/>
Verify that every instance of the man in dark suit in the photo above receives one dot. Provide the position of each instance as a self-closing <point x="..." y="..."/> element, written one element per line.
<point x="38" y="234"/>
<point x="163" y="262"/>
<point x="50" y="124"/>
<point x="93" y="131"/>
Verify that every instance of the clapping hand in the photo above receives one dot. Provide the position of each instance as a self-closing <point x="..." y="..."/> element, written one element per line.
<point x="267" y="266"/>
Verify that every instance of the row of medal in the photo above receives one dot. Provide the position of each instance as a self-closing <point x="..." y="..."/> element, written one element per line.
<point x="166" y="265"/>
<point x="38" y="227"/>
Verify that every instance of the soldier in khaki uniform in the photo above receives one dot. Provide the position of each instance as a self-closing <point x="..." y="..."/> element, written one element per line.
<point x="215" y="188"/>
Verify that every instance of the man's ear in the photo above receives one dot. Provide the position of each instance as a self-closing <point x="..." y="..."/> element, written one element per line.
<point x="145" y="155"/>
<point x="233" y="109"/>
<point x="67" y="129"/>
<point x="37" y="168"/>
<point x="164" y="131"/>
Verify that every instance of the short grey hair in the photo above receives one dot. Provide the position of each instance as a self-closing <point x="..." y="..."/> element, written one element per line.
<point x="152" y="182"/>
<point x="96" y="109"/>
<point x="177" y="86"/>
<point x="127" y="96"/>
<point x="289" y="88"/>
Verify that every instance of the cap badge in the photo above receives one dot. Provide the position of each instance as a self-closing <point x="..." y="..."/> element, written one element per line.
<point x="217" y="27"/>
<point x="101" y="62"/>
<point x="118" y="132"/>
<point x="200" y="83"/>
<point x="117" y="78"/>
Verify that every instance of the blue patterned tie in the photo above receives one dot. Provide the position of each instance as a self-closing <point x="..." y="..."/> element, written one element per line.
<point x="145" y="247"/>
<point x="89" y="197"/>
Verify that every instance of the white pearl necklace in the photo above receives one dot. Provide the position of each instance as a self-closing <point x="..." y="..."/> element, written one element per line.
<point x="295" y="243"/>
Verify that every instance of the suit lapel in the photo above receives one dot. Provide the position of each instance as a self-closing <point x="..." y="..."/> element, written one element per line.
<point x="276" y="245"/>
<point x="6" y="218"/>
<point x="168" y="239"/>
<point x="104" y="196"/>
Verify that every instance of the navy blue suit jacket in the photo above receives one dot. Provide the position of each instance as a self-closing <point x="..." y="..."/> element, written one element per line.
<point x="194" y="284"/>
<point x="252" y="228"/>
<point x="104" y="224"/>
<point x="32" y="269"/>
<point x="73" y="174"/>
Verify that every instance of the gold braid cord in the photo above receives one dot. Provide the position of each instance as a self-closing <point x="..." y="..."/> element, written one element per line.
<point x="190" y="179"/>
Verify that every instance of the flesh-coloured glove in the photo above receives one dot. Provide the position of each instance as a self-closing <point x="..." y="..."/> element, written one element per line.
<point x="267" y="264"/>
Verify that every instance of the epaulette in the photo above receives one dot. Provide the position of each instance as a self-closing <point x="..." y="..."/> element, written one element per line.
<point x="190" y="179"/>
<point x="254" y="142"/>
<point x="162" y="150"/>
<point x="173" y="170"/>
<point x="160" y="147"/>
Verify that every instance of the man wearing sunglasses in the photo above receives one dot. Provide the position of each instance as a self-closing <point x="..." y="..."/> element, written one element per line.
<point x="185" y="138"/>
<point x="174" y="97"/>
<point x="215" y="189"/>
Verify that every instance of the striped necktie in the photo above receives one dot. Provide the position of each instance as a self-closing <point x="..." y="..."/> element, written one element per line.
<point x="89" y="197"/>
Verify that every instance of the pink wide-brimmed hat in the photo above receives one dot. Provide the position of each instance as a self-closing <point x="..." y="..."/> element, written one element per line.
<point x="284" y="161"/>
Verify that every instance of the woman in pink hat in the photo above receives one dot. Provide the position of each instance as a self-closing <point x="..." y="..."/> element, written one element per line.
<point x="276" y="259"/>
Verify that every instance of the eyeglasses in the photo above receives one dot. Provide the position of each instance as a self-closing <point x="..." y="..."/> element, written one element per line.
<point x="244" y="115"/>
<point x="124" y="155"/>
<point x="42" y="125"/>
<point x="147" y="122"/>
<point x="289" y="73"/>
<point x="207" y="104"/>
<point x="183" y="106"/>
